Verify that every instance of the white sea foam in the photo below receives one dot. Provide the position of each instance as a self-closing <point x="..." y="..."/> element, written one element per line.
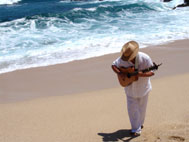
<point x="91" y="9"/>
<point x="9" y="1"/>
<point x="77" y="9"/>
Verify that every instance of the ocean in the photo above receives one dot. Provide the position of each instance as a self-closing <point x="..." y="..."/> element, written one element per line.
<point x="37" y="33"/>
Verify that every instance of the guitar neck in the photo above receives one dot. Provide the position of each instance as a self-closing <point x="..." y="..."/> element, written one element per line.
<point x="145" y="70"/>
<point x="148" y="69"/>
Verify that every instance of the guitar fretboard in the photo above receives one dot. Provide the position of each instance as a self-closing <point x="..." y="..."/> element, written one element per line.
<point x="155" y="67"/>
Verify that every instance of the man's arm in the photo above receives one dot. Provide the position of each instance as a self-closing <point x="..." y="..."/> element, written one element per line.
<point x="146" y="74"/>
<point x="140" y="74"/>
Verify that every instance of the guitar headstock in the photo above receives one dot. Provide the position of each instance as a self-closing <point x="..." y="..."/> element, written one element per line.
<point x="156" y="66"/>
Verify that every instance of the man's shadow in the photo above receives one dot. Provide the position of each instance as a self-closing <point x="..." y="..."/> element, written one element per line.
<point x="123" y="135"/>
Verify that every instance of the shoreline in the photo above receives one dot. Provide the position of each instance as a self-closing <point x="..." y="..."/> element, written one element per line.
<point x="85" y="75"/>
<point x="149" y="46"/>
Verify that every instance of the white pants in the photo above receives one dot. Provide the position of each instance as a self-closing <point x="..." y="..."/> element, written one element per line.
<point x="137" y="110"/>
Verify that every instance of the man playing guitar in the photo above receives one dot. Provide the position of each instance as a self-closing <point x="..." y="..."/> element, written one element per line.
<point x="137" y="86"/>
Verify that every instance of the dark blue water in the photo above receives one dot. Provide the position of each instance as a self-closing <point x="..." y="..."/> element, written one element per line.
<point x="29" y="8"/>
<point x="57" y="8"/>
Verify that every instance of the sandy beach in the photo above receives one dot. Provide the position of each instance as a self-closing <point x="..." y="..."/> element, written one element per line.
<point x="82" y="101"/>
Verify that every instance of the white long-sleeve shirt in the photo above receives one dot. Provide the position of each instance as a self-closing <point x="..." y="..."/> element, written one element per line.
<point x="142" y="86"/>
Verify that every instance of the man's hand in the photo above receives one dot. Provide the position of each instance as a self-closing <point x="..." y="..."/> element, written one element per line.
<point x="146" y="74"/>
<point x="116" y="69"/>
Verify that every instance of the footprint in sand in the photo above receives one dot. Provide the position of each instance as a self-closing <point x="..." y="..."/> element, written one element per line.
<point x="177" y="138"/>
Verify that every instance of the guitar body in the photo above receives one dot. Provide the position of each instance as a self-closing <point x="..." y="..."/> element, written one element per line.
<point x="123" y="79"/>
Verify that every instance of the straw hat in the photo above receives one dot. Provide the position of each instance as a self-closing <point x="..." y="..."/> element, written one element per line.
<point x="129" y="50"/>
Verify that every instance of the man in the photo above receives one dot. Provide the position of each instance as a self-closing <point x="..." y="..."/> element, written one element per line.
<point x="137" y="92"/>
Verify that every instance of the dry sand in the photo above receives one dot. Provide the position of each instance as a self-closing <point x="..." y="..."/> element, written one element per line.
<point x="81" y="101"/>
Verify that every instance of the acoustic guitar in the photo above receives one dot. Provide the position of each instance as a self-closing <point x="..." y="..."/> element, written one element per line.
<point x="128" y="75"/>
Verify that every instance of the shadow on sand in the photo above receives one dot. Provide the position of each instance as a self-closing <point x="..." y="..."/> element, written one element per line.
<point x="120" y="135"/>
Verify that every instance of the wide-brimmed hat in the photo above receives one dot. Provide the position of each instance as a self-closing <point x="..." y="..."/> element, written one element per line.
<point x="129" y="50"/>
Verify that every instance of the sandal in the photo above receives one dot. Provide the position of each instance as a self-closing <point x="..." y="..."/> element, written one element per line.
<point x="135" y="134"/>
